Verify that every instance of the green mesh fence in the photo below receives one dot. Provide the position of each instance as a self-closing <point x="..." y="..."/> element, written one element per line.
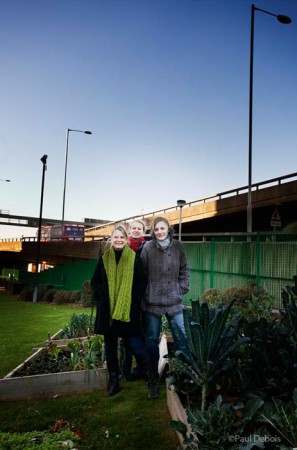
<point x="268" y="260"/>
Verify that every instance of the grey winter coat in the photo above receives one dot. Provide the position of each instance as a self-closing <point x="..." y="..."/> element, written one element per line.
<point x="168" y="277"/>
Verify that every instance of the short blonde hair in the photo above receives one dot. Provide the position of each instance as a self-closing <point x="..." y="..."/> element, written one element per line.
<point x="138" y="221"/>
<point x="120" y="228"/>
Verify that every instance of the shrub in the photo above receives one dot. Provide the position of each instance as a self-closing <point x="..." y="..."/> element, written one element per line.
<point x="62" y="297"/>
<point x="75" y="296"/>
<point x="269" y="367"/>
<point x="86" y="294"/>
<point x="50" y="295"/>
<point x="15" y="287"/>
<point x="241" y="294"/>
<point x="252" y="300"/>
<point x="211" y="296"/>
<point x="26" y="294"/>
<point x="42" y="289"/>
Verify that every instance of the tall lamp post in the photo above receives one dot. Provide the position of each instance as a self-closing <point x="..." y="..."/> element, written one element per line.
<point x="285" y="20"/>
<point x="35" y="292"/>
<point x="180" y="204"/>
<point x="66" y="159"/>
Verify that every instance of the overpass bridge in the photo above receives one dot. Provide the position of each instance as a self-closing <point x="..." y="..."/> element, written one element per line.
<point x="221" y="213"/>
<point x="25" y="221"/>
<point x="227" y="211"/>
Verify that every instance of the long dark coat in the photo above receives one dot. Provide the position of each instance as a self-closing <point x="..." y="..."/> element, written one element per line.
<point x="99" y="286"/>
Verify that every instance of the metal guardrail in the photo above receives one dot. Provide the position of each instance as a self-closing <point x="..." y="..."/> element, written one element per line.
<point x="206" y="236"/>
<point x="35" y="238"/>
<point x="200" y="236"/>
<point x="219" y="196"/>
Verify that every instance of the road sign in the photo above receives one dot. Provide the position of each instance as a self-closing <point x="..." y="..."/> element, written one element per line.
<point x="275" y="219"/>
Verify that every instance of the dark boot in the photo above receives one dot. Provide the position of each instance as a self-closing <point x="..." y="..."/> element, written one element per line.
<point x="153" y="391"/>
<point x="152" y="382"/>
<point x="113" y="386"/>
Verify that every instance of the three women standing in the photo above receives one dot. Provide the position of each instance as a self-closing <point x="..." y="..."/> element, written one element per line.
<point x="124" y="281"/>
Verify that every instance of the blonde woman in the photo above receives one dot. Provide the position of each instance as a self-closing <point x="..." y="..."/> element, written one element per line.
<point x="136" y="232"/>
<point x="118" y="286"/>
<point x="136" y="242"/>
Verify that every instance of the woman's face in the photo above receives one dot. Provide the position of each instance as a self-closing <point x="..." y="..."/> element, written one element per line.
<point x="118" y="240"/>
<point x="161" y="230"/>
<point x="136" y="230"/>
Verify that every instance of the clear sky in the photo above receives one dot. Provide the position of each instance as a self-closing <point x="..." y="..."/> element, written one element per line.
<point x="164" y="87"/>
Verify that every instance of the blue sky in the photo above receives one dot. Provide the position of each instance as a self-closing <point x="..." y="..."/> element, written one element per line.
<point x="164" y="87"/>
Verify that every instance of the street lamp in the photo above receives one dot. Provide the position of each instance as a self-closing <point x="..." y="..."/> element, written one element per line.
<point x="7" y="181"/>
<point x="285" y="20"/>
<point x="180" y="204"/>
<point x="66" y="158"/>
<point x="35" y="292"/>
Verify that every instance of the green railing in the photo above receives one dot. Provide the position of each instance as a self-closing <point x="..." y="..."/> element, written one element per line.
<point x="268" y="260"/>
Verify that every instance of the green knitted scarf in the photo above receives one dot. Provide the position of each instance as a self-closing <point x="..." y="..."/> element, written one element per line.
<point x="120" y="279"/>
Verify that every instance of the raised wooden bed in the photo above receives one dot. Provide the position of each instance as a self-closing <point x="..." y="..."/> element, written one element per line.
<point x="163" y="349"/>
<point x="165" y="339"/>
<point x="13" y="387"/>
<point x="38" y="386"/>
<point x="176" y="410"/>
<point x="57" y="340"/>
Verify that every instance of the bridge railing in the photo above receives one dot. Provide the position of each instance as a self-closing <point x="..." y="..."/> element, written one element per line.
<point x="219" y="196"/>
<point x="11" y="240"/>
<point x="186" y="237"/>
<point x="56" y="239"/>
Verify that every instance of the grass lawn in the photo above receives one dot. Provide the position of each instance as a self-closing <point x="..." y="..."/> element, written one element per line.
<point x="128" y="421"/>
<point x="25" y="325"/>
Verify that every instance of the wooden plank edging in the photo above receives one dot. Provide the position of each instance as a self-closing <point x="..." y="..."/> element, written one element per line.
<point x="176" y="410"/>
<point x="37" y="386"/>
<point x="47" y="385"/>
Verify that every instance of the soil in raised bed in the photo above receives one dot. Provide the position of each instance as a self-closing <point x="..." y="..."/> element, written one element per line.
<point x="46" y="363"/>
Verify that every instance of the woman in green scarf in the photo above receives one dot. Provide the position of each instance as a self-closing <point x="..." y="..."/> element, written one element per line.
<point x="118" y="285"/>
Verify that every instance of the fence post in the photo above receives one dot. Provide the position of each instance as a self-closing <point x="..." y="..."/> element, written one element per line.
<point x="212" y="253"/>
<point x="258" y="257"/>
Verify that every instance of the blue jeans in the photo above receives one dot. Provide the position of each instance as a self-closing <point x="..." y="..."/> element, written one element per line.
<point x="135" y="345"/>
<point x="152" y="335"/>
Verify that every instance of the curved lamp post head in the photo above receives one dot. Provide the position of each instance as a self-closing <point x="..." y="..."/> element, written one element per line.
<point x="284" y="19"/>
<point x="280" y="17"/>
<point x="79" y="131"/>
<point x="181" y="203"/>
<point x="43" y="159"/>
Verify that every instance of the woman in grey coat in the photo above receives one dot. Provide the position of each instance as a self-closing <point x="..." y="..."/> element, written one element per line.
<point x="167" y="270"/>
